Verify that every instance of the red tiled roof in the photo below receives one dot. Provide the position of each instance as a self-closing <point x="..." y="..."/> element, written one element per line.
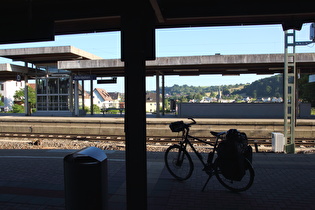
<point x="32" y="85"/>
<point x="103" y="93"/>
<point x="150" y="97"/>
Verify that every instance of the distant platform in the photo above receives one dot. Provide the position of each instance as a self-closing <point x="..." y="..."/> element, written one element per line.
<point x="100" y="125"/>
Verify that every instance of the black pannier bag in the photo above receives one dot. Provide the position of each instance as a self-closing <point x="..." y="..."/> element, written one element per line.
<point x="177" y="126"/>
<point x="249" y="153"/>
<point x="232" y="153"/>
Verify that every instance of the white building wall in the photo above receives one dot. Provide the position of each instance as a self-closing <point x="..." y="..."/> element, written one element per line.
<point x="151" y="106"/>
<point x="7" y="90"/>
<point x="99" y="101"/>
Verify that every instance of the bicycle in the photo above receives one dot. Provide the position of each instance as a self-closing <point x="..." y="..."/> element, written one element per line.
<point x="180" y="164"/>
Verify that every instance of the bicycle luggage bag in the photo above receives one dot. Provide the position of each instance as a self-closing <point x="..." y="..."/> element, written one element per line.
<point x="231" y="164"/>
<point x="177" y="126"/>
<point x="249" y="153"/>
<point x="231" y="155"/>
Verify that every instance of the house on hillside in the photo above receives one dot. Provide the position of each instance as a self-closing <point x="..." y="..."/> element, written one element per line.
<point x="104" y="99"/>
<point x="151" y="102"/>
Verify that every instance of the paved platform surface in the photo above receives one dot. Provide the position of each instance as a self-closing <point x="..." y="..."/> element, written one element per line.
<point x="33" y="179"/>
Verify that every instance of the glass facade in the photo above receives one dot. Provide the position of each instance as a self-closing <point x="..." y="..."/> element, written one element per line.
<point x="53" y="94"/>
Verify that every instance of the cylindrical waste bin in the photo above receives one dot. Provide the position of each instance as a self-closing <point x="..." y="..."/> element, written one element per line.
<point x="85" y="177"/>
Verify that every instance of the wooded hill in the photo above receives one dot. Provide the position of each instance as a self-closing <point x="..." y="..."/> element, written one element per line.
<point x="267" y="87"/>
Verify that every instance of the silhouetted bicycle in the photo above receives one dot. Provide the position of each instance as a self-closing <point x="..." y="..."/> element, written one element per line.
<point x="180" y="164"/>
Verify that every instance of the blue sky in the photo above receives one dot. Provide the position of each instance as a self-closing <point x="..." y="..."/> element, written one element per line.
<point x="187" y="42"/>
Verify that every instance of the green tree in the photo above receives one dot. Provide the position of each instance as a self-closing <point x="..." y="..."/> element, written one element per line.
<point x="1" y="102"/>
<point x="213" y="94"/>
<point x="268" y="90"/>
<point x="96" y="109"/>
<point x="183" y="99"/>
<point x="254" y="94"/>
<point x="226" y="91"/>
<point x="20" y="96"/>
<point x="17" y="108"/>
<point x="306" y="90"/>
<point x="198" y="96"/>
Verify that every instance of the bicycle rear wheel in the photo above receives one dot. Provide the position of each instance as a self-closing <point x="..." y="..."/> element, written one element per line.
<point x="236" y="186"/>
<point x="178" y="162"/>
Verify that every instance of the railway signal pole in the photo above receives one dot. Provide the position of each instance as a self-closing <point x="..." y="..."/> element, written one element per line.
<point x="289" y="79"/>
<point x="290" y="76"/>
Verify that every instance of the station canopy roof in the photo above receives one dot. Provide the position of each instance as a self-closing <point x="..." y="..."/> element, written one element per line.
<point x="46" y="55"/>
<point x="196" y="65"/>
<point x="83" y="63"/>
<point x="39" y="56"/>
<point x="10" y="71"/>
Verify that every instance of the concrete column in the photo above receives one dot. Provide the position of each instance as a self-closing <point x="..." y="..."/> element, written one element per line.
<point x="157" y="94"/>
<point x="26" y="106"/>
<point x="71" y="94"/>
<point x="91" y="94"/>
<point x="163" y="94"/>
<point x="82" y="95"/>
<point x="76" y="98"/>
<point x="138" y="41"/>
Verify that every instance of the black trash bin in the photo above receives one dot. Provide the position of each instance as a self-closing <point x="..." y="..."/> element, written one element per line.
<point x="85" y="177"/>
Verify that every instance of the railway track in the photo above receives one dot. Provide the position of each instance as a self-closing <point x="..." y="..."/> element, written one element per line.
<point x="150" y="139"/>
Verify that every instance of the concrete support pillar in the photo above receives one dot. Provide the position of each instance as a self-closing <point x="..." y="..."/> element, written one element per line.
<point x="163" y="94"/>
<point x="71" y="94"/>
<point x="76" y="98"/>
<point x="92" y="95"/>
<point x="82" y="95"/>
<point x="157" y="94"/>
<point x="138" y="41"/>
<point x="26" y="105"/>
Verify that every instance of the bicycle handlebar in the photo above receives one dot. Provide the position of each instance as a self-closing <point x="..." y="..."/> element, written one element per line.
<point x="193" y="121"/>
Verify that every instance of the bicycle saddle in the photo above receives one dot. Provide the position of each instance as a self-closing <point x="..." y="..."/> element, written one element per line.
<point x="216" y="134"/>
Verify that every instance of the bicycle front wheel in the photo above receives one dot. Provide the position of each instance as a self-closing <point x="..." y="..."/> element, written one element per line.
<point x="178" y="162"/>
<point x="236" y="186"/>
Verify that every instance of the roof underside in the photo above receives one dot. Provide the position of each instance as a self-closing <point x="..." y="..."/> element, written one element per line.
<point x="42" y="19"/>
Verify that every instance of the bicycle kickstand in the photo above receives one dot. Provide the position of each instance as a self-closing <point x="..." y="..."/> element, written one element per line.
<point x="204" y="186"/>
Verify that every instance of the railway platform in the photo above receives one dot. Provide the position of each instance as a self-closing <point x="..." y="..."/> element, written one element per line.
<point x="33" y="179"/>
<point x="156" y="127"/>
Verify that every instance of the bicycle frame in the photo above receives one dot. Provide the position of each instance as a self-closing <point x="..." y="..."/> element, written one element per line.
<point x="186" y="140"/>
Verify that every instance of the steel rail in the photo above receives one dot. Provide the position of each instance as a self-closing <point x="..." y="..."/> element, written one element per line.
<point x="307" y="142"/>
